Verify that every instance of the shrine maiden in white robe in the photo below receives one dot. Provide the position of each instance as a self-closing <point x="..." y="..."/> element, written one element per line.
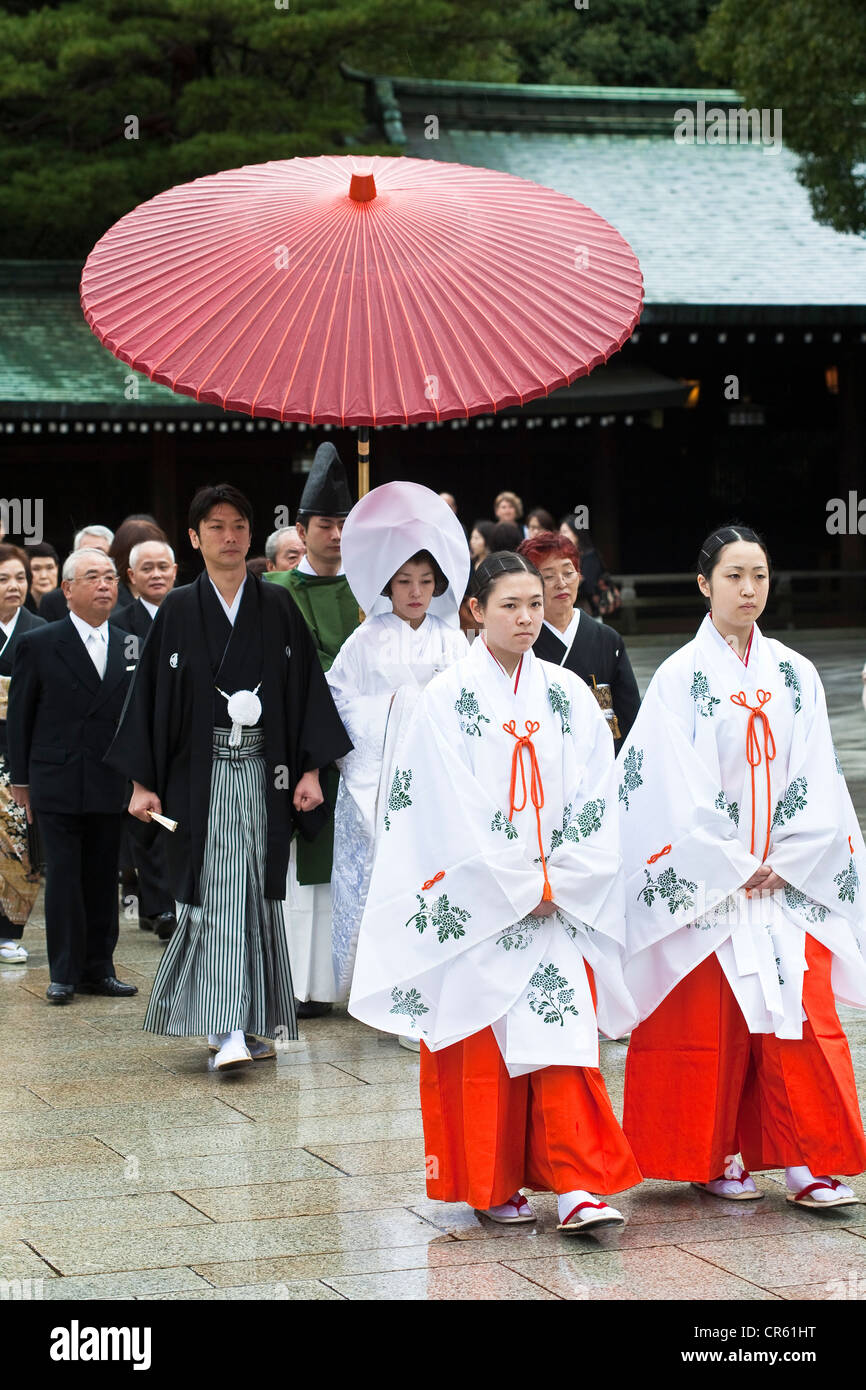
<point x="447" y="945"/>
<point x="697" y="813"/>
<point x="376" y="679"/>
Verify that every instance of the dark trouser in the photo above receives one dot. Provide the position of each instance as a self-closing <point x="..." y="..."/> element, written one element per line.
<point x="81" y="856"/>
<point x="8" y="930"/>
<point x="151" y="866"/>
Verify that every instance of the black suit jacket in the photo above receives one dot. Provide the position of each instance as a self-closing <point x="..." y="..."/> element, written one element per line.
<point x="135" y="619"/>
<point x="62" y="718"/>
<point x="597" y="651"/>
<point x="27" y="622"/>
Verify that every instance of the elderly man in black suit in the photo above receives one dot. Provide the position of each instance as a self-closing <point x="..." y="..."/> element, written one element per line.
<point x="69" y="683"/>
<point x="151" y="575"/>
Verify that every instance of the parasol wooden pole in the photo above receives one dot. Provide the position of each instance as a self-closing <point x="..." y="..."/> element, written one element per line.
<point x="363" y="460"/>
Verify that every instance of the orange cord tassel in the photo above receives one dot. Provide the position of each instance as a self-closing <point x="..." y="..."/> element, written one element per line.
<point x="753" y="752"/>
<point x="536" y="790"/>
<point x="653" y="857"/>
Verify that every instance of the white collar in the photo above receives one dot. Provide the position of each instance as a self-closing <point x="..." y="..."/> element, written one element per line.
<point x="84" y="629"/>
<point x="230" y="612"/>
<point x="304" y="567"/>
<point x="9" y="627"/>
<point x="152" y="608"/>
<point x="570" y="633"/>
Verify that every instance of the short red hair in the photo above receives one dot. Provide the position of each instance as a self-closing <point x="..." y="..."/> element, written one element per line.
<point x="538" y="547"/>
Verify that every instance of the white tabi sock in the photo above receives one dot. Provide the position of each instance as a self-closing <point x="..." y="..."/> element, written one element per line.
<point x="727" y="1183"/>
<point x="799" y="1177"/>
<point x="218" y="1039"/>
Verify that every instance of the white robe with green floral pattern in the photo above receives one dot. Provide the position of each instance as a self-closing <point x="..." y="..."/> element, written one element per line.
<point x="686" y="805"/>
<point x="375" y="679"/>
<point x="447" y="944"/>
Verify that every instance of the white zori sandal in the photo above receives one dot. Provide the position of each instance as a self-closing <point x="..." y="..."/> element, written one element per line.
<point x="515" y="1212"/>
<point x="843" y="1196"/>
<point x="579" y="1211"/>
<point x="735" y="1184"/>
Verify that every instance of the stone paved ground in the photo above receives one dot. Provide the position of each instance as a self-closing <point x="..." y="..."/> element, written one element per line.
<point x="130" y="1172"/>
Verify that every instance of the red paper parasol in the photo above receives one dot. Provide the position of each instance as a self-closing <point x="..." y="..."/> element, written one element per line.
<point x="362" y="291"/>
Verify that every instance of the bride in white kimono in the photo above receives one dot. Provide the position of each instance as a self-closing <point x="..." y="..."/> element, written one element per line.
<point x="407" y="562"/>
<point x="495" y="914"/>
<point x="745" y="911"/>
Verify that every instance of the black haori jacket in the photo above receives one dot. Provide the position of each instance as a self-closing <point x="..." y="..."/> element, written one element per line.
<point x="165" y="736"/>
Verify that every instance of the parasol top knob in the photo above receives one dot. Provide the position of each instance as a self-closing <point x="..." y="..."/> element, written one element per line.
<point x="362" y="188"/>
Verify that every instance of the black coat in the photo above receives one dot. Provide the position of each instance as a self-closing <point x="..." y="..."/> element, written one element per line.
<point x="27" y="622"/>
<point x="62" y="718"/>
<point x="165" y="739"/>
<point x="597" y="651"/>
<point x="135" y="619"/>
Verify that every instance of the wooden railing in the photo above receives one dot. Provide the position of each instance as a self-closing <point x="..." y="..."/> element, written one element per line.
<point x="801" y="595"/>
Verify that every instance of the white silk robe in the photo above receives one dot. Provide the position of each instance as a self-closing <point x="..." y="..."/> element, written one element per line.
<point x="447" y="945"/>
<point x="375" y="680"/>
<point x="695" y="814"/>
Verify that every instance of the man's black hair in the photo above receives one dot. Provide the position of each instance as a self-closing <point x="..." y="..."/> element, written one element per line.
<point x="211" y="496"/>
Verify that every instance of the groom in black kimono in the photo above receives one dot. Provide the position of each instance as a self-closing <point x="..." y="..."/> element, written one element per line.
<point x="237" y="786"/>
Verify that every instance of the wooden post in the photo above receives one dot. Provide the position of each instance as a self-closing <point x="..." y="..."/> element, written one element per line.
<point x="363" y="460"/>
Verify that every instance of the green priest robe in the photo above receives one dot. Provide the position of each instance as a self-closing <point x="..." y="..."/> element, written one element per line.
<point x="331" y="613"/>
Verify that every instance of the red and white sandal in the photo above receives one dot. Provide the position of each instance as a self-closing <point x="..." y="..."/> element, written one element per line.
<point x="804" y="1197"/>
<point x="744" y="1194"/>
<point x="591" y="1214"/>
<point x="515" y="1212"/>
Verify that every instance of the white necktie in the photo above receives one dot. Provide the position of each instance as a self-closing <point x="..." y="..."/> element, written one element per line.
<point x="96" y="649"/>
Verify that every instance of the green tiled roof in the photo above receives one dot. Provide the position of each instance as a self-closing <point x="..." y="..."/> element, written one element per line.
<point x="48" y="353"/>
<point x="712" y="224"/>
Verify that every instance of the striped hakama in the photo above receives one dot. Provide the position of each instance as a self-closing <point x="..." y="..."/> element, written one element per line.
<point x="227" y="966"/>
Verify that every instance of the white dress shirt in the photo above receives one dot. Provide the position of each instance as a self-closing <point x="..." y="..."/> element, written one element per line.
<point x="153" y="608"/>
<point x="95" y="640"/>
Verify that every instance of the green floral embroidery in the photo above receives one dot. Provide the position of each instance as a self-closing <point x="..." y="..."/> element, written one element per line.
<point x="469" y="710"/>
<point x="631" y="778"/>
<point x="561" y="705"/>
<point x="444" y="915"/>
<point x="731" y="807"/>
<point x="792" y="681"/>
<point x="409" y="1004"/>
<point x="793" y="801"/>
<point x="812" y="911"/>
<point x="521" y="935"/>
<point x="700" y="693"/>
<point x="678" y="892"/>
<point x="501" y="822"/>
<point x="575" y="827"/>
<point x="838" y="764"/>
<point x="848" y="882"/>
<point x="550" y="997"/>
<point x="398" y="797"/>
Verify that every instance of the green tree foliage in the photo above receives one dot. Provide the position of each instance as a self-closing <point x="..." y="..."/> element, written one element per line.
<point x="212" y="86"/>
<point x="808" y="59"/>
<point x="616" y="43"/>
